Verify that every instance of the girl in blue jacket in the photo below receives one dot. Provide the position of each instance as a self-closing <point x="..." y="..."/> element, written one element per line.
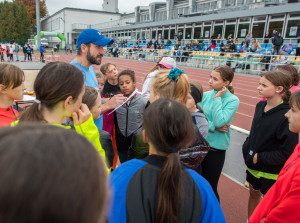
<point x="219" y="106"/>
<point x="158" y="188"/>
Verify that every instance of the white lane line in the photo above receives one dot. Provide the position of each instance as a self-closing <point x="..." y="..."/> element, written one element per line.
<point x="244" y="131"/>
<point x="234" y="180"/>
<point x="244" y="114"/>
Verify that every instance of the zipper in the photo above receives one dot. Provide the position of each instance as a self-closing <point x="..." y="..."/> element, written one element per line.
<point x="126" y="119"/>
<point x="291" y="163"/>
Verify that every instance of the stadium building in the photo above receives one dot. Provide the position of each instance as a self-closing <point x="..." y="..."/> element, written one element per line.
<point x="183" y="20"/>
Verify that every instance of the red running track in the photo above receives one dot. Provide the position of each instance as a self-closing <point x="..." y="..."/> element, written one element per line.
<point x="233" y="196"/>
<point x="244" y="86"/>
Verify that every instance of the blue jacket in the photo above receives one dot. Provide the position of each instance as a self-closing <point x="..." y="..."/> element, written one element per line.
<point x="219" y="111"/>
<point x="134" y="194"/>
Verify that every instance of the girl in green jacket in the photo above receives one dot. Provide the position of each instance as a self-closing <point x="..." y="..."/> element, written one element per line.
<point x="219" y="106"/>
<point x="59" y="88"/>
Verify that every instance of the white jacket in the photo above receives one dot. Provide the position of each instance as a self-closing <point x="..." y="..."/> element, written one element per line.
<point x="147" y="84"/>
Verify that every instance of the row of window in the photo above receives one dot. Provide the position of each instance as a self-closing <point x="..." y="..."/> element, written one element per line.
<point x="287" y="24"/>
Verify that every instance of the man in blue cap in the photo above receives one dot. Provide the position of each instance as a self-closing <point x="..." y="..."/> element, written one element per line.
<point x="90" y="45"/>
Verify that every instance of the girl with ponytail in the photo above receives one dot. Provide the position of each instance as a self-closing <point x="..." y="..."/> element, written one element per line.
<point x="219" y="106"/>
<point x="59" y="88"/>
<point x="270" y="142"/>
<point x="158" y="188"/>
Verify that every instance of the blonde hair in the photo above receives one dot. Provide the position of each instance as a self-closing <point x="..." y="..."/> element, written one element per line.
<point x="165" y="87"/>
<point x="105" y="66"/>
<point x="99" y="74"/>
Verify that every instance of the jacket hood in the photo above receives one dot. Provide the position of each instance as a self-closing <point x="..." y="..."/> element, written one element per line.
<point x="282" y="106"/>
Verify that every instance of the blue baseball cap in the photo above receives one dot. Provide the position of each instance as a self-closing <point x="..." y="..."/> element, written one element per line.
<point x="93" y="36"/>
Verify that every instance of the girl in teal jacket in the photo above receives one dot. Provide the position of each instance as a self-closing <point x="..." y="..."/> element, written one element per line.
<point x="219" y="105"/>
<point x="59" y="88"/>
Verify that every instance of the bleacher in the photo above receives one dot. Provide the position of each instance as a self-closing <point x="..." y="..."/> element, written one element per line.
<point x="242" y="62"/>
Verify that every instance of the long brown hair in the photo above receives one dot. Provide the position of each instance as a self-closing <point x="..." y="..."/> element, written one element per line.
<point x="163" y="86"/>
<point x="226" y="74"/>
<point x="90" y="96"/>
<point x="11" y="76"/>
<point x="54" y="83"/>
<point x="48" y="172"/>
<point x="280" y="78"/>
<point x="292" y="71"/>
<point x="168" y="126"/>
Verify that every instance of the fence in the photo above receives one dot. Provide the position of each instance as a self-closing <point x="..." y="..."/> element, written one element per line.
<point x="248" y="63"/>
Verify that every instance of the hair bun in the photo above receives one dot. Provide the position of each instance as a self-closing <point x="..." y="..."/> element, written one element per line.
<point x="175" y="72"/>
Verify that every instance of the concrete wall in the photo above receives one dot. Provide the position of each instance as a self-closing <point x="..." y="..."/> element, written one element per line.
<point x="30" y="76"/>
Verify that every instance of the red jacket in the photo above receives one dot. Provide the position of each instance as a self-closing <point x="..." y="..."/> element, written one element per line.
<point x="282" y="202"/>
<point x="7" y="116"/>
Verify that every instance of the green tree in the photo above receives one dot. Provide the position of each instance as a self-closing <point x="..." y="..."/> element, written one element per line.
<point x="14" y="22"/>
<point x="31" y="9"/>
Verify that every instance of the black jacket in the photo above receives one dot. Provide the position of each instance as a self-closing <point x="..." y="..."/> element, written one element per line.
<point x="270" y="138"/>
<point x="278" y="41"/>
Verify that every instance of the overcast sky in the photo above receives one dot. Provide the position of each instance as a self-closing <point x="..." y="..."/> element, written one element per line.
<point x="124" y="5"/>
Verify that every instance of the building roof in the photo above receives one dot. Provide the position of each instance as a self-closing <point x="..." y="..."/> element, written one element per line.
<point x="293" y="7"/>
<point x="79" y="9"/>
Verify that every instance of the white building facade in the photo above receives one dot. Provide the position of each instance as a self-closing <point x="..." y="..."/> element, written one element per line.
<point x="71" y="21"/>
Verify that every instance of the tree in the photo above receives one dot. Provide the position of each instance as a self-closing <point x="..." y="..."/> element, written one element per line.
<point x="14" y="22"/>
<point x="31" y="9"/>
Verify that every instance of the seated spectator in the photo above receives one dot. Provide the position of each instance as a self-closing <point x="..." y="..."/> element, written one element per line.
<point x="49" y="174"/>
<point x="222" y="47"/>
<point x="245" y="44"/>
<point x="213" y="43"/>
<point x="255" y="46"/>
<point x="229" y="39"/>
<point x="169" y="42"/>
<point x="115" y="52"/>
<point x="232" y="47"/>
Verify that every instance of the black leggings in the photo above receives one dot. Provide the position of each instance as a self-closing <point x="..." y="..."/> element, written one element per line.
<point x="212" y="166"/>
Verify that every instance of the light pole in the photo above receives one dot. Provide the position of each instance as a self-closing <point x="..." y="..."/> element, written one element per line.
<point x="38" y="24"/>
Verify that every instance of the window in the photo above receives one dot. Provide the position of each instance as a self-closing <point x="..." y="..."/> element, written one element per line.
<point x="166" y="34"/>
<point x="218" y="30"/>
<point x="172" y="33"/>
<point x="229" y="29"/>
<point x="153" y="34"/>
<point x="244" y="19"/>
<point x="260" y="18"/>
<point x="277" y="25"/>
<point x="258" y="30"/>
<point x="291" y="30"/>
<point x="197" y="32"/>
<point x="243" y="30"/>
<point x="188" y="33"/>
<point x="206" y="33"/>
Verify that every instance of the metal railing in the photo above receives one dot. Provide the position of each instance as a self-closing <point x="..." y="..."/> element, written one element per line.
<point x="249" y="63"/>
